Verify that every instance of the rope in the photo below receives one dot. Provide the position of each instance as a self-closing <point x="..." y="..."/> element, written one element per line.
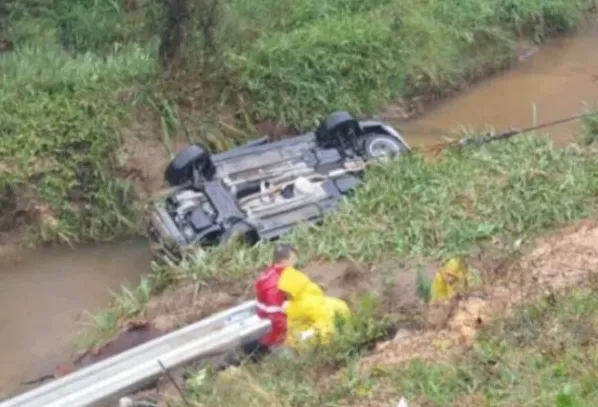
<point x="437" y="148"/>
<point x="489" y="137"/>
<point x="434" y="148"/>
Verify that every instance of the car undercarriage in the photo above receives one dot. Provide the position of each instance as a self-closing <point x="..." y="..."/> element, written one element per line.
<point x="263" y="189"/>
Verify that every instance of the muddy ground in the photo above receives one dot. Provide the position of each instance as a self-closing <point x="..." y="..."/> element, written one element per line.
<point x="568" y="258"/>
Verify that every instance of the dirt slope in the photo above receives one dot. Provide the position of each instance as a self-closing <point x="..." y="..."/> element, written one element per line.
<point x="567" y="259"/>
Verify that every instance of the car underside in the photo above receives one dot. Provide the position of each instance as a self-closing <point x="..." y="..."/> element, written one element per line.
<point x="263" y="189"/>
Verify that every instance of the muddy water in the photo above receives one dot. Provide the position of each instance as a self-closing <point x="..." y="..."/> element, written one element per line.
<point x="42" y="296"/>
<point x="557" y="80"/>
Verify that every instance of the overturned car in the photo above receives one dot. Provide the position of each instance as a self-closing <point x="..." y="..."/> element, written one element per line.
<point x="263" y="189"/>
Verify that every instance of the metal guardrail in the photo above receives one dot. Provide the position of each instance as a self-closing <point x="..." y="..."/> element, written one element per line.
<point x="129" y="371"/>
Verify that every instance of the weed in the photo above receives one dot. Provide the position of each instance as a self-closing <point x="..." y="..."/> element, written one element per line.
<point x="411" y="209"/>
<point x="424" y="286"/>
<point x="557" y="368"/>
<point x="59" y="118"/>
<point x="262" y="384"/>
<point x="62" y="98"/>
<point x="125" y="303"/>
<point x="367" y="325"/>
<point x="590" y="132"/>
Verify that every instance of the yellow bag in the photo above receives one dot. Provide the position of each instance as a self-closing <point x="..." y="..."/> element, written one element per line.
<point x="452" y="277"/>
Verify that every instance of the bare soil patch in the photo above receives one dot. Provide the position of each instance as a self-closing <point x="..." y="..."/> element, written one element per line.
<point x="567" y="259"/>
<point x="189" y="302"/>
<point x="143" y="157"/>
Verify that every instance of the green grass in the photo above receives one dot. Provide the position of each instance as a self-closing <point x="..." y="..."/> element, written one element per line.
<point x="543" y="355"/>
<point x="413" y="210"/>
<point x="60" y="119"/>
<point x="358" y="57"/>
<point x="62" y="109"/>
<point x="63" y="104"/>
<point x="63" y="97"/>
<point x="590" y="135"/>
<point x="126" y="303"/>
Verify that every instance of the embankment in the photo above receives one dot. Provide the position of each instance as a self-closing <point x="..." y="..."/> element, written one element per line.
<point x="488" y="205"/>
<point x="88" y="121"/>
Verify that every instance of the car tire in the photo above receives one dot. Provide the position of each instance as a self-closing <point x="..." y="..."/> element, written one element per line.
<point x="379" y="146"/>
<point x="240" y="230"/>
<point x="338" y="122"/>
<point x="194" y="159"/>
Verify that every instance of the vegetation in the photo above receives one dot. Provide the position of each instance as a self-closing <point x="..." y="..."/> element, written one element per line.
<point x="591" y="130"/>
<point x="412" y="209"/>
<point x="542" y="355"/>
<point x="59" y="131"/>
<point x="538" y="355"/>
<point x="74" y="73"/>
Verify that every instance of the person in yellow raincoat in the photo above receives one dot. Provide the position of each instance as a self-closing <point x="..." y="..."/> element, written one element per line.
<point x="311" y="315"/>
<point x="452" y="278"/>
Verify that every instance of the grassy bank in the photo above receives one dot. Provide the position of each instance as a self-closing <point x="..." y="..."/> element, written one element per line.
<point x="540" y="356"/>
<point x="60" y="121"/>
<point x="475" y="202"/>
<point x="60" y="133"/>
<point x="412" y="208"/>
<point x="80" y="71"/>
<point x="467" y="202"/>
<point x="361" y="57"/>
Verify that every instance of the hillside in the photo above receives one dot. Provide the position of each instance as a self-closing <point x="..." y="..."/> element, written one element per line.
<point x="96" y="95"/>
<point x="521" y="336"/>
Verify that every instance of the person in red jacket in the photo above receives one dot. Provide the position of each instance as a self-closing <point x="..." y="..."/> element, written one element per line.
<point x="271" y="302"/>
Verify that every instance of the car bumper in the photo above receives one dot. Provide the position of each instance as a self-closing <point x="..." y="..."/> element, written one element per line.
<point x="165" y="238"/>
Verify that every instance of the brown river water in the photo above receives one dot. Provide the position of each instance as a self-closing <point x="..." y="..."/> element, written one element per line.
<point x="43" y="293"/>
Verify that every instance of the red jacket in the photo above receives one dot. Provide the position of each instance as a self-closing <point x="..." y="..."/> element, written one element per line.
<point x="270" y="300"/>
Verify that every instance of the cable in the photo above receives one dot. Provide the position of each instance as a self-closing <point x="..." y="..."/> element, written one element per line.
<point x="489" y="137"/>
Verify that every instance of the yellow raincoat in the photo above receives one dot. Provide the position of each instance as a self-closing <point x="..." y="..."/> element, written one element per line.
<point x="450" y="279"/>
<point x="310" y="314"/>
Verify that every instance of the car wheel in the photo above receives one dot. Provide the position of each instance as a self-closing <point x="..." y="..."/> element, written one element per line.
<point x="382" y="146"/>
<point x="240" y="230"/>
<point x="335" y="125"/>
<point x="192" y="162"/>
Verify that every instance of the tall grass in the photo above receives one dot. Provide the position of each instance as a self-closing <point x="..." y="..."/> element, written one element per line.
<point x="590" y="132"/>
<point x="357" y="56"/>
<point x="541" y="355"/>
<point x="410" y="208"/>
<point x="463" y="203"/>
<point x="60" y="117"/>
<point x="61" y="105"/>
